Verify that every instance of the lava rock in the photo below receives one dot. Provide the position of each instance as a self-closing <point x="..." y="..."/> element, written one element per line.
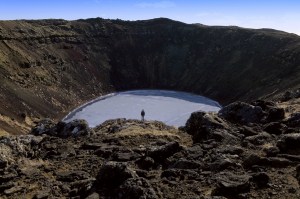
<point x="45" y="126"/>
<point x="113" y="174"/>
<point x="274" y="162"/>
<point x="159" y="154"/>
<point x="275" y="128"/>
<point x="145" y="163"/>
<point x="261" y="179"/>
<point x="298" y="173"/>
<point x="70" y="176"/>
<point x="259" y="139"/>
<point x="241" y="112"/>
<point x="136" y="188"/>
<point x="289" y="143"/>
<point x="93" y="196"/>
<point x="186" y="164"/>
<point x="201" y="125"/>
<point x="230" y="185"/>
<point x="271" y="151"/>
<point x="275" y="114"/>
<point x="3" y="163"/>
<point x="293" y="120"/>
<point x="74" y="128"/>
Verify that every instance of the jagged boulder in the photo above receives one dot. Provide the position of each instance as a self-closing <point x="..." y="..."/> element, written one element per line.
<point x="137" y="188"/>
<point x="230" y="184"/>
<point x="241" y="112"/>
<point x="45" y="126"/>
<point x="261" y="179"/>
<point x="273" y="113"/>
<point x="159" y="154"/>
<point x="289" y="143"/>
<point x="293" y="120"/>
<point x="202" y="125"/>
<point x="275" y="128"/>
<point x="113" y="174"/>
<point x="74" y="128"/>
<point x="62" y="129"/>
<point x="260" y="139"/>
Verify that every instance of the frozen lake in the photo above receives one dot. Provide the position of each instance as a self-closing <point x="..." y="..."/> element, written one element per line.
<point x="170" y="107"/>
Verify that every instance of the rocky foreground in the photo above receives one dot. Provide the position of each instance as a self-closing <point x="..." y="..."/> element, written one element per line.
<point x="244" y="151"/>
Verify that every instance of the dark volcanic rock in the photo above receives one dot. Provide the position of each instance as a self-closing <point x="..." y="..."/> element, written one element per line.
<point x="159" y="154"/>
<point x="45" y="126"/>
<point x="61" y="129"/>
<point x="275" y="114"/>
<point x="294" y="120"/>
<point x="240" y="112"/>
<point x="260" y="179"/>
<point x="136" y="188"/>
<point x="186" y="164"/>
<point x="230" y="185"/>
<point x="3" y="163"/>
<point x="113" y="174"/>
<point x="275" y="162"/>
<point x="74" y="128"/>
<point x="259" y="139"/>
<point x="145" y="163"/>
<point x="276" y="128"/>
<point x="70" y="176"/>
<point x="289" y="143"/>
<point x="202" y="126"/>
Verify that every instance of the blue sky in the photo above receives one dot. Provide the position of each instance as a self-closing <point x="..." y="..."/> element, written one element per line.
<point x="282" y="15"/>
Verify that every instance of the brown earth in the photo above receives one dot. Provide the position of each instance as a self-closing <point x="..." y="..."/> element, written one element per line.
<point x="48" y="67"/>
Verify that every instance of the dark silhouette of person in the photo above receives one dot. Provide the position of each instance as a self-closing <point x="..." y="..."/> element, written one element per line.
<point x="143" y="115"/>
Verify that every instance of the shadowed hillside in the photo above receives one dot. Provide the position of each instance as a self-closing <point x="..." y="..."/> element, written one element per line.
<point x="49" y="67"/>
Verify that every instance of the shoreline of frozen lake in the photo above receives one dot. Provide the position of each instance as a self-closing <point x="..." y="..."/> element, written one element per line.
<point x="170" y="107"/>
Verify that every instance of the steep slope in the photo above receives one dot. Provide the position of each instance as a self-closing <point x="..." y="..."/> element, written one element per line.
<point x="50" y="66"/>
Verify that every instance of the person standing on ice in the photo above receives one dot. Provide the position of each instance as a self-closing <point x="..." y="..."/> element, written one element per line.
<point x="143" y="115"/>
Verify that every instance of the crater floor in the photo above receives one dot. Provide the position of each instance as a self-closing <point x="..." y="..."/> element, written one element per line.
<point x="170" y="107"/>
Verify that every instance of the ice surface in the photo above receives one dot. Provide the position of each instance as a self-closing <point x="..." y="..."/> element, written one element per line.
<point x="170" y="107"/>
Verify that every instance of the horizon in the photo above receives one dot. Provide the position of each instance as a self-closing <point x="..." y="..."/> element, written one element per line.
<point x="269" y="14"/>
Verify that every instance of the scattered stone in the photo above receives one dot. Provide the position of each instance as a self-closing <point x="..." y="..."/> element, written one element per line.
<point x="271" y="151"/>
<point x="275" y="162"/>
<point x="74" y="128"/>
<point x="259" y="139"/>
<point x="261" y="179"/>
<point x="201" y="125"/>
<point x="230" y="185"/>
<point x="3" y="163"/>
<point x="298" y="173"/>
<point x="125" y="156"/>
<point x="289" y="143"/>
<point x="247" y="131"/>
<point x="293" y="120"/>
<point x="243" y="113"/>
<point x="146" y="163"/>
<point x="159" y="154"/>
<point x="137" y="188"/>
<point x="71" y="176"/>
<point x="43" y="127"/>
<point x="186" y="164"/>
<point x="113" y="174"/>
<point x="13" y="190"/>
<point x="275" y="128"/>
<point x="295" y="158"/>
<point x="275" y="114"/>
<point x="93" y="196"/>
<point x="42" y="194"/>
